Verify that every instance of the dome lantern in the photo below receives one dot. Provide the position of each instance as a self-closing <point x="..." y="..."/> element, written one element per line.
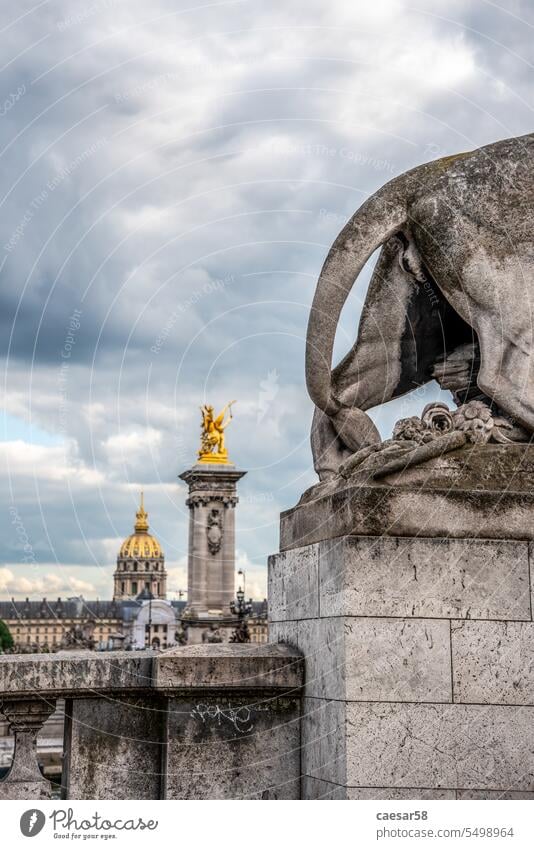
<point x="141" y="518"/>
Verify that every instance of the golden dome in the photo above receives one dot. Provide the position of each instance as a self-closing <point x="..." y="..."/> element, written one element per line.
<point x="140" y="544"/>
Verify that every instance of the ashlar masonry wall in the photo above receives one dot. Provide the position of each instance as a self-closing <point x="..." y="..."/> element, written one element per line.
<point x="419" y="665"/>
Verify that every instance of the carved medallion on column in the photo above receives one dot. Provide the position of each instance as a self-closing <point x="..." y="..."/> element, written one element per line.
<point x="214" y="531"/>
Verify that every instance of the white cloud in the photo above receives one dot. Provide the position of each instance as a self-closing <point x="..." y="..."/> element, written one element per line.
<point x="177" y="578"/>
<point x="255" y="576"/>
<point x="44" y="585"/>
<point x="54" y="463"/>
<point x="133" y="446"/>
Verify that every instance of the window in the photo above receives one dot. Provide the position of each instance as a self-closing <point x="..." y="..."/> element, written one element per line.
<point x="157" y="588"/>
<point x="135" y="566"/>
<point x="122" y="587"/>
<point x="147" y="567"/>
<point x="134" y="587"/>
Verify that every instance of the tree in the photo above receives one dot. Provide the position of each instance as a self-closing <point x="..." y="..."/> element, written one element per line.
<point x="6" y="640"/>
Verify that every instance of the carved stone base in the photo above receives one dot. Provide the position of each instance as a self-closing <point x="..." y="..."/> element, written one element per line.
<point x="477" y="491"/>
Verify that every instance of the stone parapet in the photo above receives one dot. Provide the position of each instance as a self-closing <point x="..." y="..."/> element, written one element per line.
<point x="61" y="674"/>
<point x="229" y="667"/>
<point x="195" y="722"/>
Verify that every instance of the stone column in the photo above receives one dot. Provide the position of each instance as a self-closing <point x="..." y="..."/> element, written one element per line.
<point x="211" y="557"/>
<point x="228" y="554"/>
<point x="190" y="542"/>
<point x="197" y="556"/>
<point x="26" y="717"/>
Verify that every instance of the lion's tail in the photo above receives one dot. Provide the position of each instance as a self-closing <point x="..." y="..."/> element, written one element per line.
<point x="375" y="221"/>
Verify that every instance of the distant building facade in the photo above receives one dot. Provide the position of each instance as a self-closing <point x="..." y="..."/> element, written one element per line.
<point x="46" y="625"/>
<point x="50" y="626"/>
<point x="139" y="615"/>
<point x="257" y="623"/>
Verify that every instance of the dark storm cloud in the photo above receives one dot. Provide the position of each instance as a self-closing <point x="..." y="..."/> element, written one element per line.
<point x="173" y="178"/>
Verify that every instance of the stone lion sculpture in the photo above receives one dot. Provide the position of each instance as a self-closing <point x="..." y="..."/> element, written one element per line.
<point x="451" y="298"/>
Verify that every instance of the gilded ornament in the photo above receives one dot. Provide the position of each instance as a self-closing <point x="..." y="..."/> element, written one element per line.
<point x="212" y="447"/>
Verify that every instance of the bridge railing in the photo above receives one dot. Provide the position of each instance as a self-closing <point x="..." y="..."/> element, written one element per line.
<point x="216" y="721"/>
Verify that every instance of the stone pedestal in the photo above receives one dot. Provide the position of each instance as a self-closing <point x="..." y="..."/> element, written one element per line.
<point x="211" y="558"/>
<point x="419" y="648"/>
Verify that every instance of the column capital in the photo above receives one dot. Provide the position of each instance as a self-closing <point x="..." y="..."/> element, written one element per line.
<point x="203" y="499"/>
<point x="202" y="477"/>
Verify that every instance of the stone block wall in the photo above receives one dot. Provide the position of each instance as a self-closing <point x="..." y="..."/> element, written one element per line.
<point x="419" y="665"/>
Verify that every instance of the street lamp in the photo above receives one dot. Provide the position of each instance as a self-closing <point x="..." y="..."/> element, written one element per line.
<point x="239" y="606"/>
<point x="148" y="628"/>
<point x="242" y="609"/>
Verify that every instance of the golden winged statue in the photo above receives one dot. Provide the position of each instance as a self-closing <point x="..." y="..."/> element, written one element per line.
<point x="212" y="447"/>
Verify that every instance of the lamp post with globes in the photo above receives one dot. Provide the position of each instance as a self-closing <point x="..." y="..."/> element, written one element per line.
<point x="242" y="609"/>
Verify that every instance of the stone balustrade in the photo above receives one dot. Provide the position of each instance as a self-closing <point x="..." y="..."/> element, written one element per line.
<point x="217" y="721"/>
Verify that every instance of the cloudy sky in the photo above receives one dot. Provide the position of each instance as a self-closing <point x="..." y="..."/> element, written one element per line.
<point x="172" y="177"/>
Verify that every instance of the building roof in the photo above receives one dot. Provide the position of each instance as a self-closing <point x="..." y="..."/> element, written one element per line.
<point x="140" y="544"/>
<point x="70" y="608"/>
<point x="80" y="608"/>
